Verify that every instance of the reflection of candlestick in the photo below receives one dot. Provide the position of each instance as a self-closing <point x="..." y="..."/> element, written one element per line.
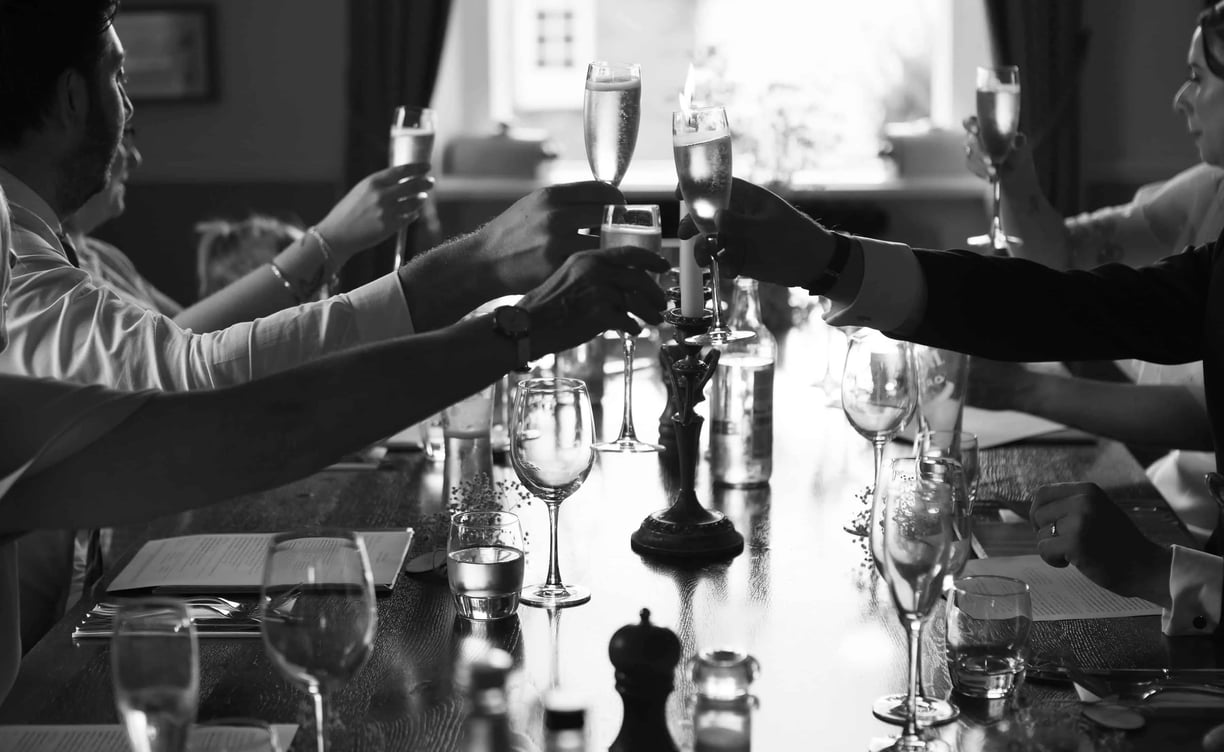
<point x="692" y="293"/>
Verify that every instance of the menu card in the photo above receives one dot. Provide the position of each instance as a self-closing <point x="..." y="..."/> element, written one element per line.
<point x="112" y="738"/>
<point x="234" y="562"/>
<point x="1061" y="593"/>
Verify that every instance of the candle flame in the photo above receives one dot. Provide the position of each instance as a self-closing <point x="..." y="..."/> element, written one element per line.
<point x="686" y="96"/>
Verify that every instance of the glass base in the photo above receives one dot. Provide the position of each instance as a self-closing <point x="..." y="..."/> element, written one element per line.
<point x="985" y="241"/>
<point x="628" y="445"/>
<point x="548" y="596"/>
<point x="931" y="711"/>
<point x="718" y="336"/>
<point x="902" y="744"/>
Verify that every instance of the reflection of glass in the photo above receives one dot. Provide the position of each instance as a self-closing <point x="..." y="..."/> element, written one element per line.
<point x="611" y="110"/>
<point x="916" y="544"/>
<point x="156" y="674"/>
<point x="987" y="635"/>
<point x="701" y="145"/>
<point x="318" y="612"/>
<point x="412" y="137"/>
<point x="635" y="225"/>
<point x="722" y="708"/>
<point x="877" y="390"/>
<point x="551" y="435"/>
<point x="485" y="563"/>
<point x="998" y="115"/>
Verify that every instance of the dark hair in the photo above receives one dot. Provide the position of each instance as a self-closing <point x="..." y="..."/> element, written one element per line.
<point x="1211" y="22"/>
<point x="39" y="40"/>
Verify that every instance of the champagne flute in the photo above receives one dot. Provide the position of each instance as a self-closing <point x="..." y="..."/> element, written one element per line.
<point x="551" y="450"/>
<point x="412" y="138"/>
<point x="877" y="390"/>
<point x="155" y="669"/>
<point x="998" y="114"/>
<point x="701" y="145"/>
<point x="611" y="111"/>
<point x="916" y="541"/>
<point x="636" y="225"/>
<point x="318" y="611"/>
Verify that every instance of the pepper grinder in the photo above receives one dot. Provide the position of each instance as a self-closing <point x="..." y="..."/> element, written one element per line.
<point x="645" y="657"/>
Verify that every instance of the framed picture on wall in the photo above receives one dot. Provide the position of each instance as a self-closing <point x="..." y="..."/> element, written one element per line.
<point x="171" y="52"/>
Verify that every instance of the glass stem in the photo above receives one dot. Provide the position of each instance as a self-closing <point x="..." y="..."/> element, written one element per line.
<point x="878" y="446"/>
<point x="914" y="626"/>
<point x="554" y="571"/>
<point x="628" y="345"/>
<point x="320" y="720"/>
<point x="401" y="247"/>
<point x="715" y="293"/>
<point x="997" y="240"/>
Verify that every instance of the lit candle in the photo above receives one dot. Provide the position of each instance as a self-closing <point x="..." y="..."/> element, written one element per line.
<point x="692" y="293"/>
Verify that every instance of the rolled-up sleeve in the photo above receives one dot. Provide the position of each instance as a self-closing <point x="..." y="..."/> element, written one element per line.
<point x="892" y="296"/>
<point x="1196" y="580"/>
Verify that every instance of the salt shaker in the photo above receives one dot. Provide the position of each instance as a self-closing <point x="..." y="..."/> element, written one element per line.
<point x="722" y="709"/>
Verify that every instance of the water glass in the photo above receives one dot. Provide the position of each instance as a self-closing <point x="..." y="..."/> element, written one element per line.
<point x="942" y="378"/>
<point x="469" y="448"/>
<point x="433" y="441"/>
<point x="960" y="446"/>
<point x="484" y="563"/>
<point x="987" y="635"/>
<point x="156" y="673"/>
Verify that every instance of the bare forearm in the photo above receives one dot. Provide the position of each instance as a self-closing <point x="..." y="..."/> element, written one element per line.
<point x="181" y="451"/>
<point x="443" y="284"/>
<point x="1028" y="215"/>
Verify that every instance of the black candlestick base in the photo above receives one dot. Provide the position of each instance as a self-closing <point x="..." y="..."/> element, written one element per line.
<point x="687" y="531"/>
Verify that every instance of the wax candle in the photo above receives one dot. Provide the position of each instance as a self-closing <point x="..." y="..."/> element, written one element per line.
<point x="692" y="293"/>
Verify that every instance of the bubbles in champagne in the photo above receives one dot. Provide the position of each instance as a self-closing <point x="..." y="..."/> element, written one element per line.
<point x="703" y="164"/>
<point x="998" y="111"/>
<point x="411" y="145"/>
<point x="611" y="112"/>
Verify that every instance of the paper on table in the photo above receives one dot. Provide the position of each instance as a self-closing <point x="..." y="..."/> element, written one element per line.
<point x="1061" y="593"/>
<point x="234" y="562"/>
<point x="998" y="427"/>
<point x="112" y="738"/>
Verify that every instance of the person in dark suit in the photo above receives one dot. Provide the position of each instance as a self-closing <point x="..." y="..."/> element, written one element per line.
<point x="1013" y="309"/>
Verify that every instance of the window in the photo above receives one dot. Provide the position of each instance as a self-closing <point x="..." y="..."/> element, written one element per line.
<point x="808" y="85"/>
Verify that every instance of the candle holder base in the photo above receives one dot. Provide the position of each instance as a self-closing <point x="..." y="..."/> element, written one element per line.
<point x="692" y="541"/>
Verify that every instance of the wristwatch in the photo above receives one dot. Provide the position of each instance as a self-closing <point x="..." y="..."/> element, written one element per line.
<point x="837" y="264"/>
<point x="514" y="323"/>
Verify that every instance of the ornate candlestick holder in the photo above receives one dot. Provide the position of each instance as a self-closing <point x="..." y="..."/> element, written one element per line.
<point x="686" y="530"/>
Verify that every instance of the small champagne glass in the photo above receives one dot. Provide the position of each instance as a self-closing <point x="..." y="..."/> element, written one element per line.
<point x="155" y="669"/>
<point x="635" y="225"/>
<point x="916" y="543"/>
<point x="611" y="111"/>
<point x="412" y="138"/>
<point x="551" y="437"/>
<point x="877" y="390"/>
<point x="319" y="617"/>
<point x="998" y="114"/>
<point x="701" y="145"/>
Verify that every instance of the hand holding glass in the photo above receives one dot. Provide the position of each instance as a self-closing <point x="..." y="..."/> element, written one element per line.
<point x="998" y="116"/>
<point x="156" y="673"/>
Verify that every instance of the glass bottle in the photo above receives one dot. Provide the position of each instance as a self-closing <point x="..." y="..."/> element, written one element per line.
<point x="741" y="401"/>
<point x="564" y="722"/>
<point x="487" y="728"/>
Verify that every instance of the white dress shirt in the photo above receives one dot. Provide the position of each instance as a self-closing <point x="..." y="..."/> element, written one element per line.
<point x="63" y="324"/>
<point x="893" y="298"/>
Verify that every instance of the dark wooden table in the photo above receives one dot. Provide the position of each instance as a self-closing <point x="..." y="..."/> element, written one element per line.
<point x="801" y="599"/>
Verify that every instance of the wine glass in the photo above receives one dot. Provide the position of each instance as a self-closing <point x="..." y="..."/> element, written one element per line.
<point x="551" y="450"/>
<point x="611" y="111"/>
<point x="893" y="708"/>
<point x="412" y="138"/>
<point x="701" y="145"/>
<point x="636" y="225"/>
<point x="916" y="542"/>
<point x="318" y="611"/>
<point x="998" y="115"/>
<point x="155" y="669"/>
<point x="877" y="389"/>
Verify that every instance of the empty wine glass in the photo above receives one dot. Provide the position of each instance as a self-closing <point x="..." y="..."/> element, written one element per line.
<point x="318" y="611"/>
<point x="412" y="138"/>
<point x="877" y="389"/>
<point x="155" y="669"/>
<point x="998" y="118"/>
<point x="916" y="543"/>
<point x="701" y="145"/>
<point x="611" y="111"/>
<point x="636" y="225"/>
<point x="551" y="437"/>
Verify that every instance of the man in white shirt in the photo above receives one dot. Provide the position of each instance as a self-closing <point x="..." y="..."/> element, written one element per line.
<point x="1165" y="313"/>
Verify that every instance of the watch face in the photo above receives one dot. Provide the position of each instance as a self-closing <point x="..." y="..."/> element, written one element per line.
<point x="512" y="320"/>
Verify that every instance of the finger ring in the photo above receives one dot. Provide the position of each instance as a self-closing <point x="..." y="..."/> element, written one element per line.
<point x="1053" y="529"/>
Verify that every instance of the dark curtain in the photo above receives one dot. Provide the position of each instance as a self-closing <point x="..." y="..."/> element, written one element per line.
<point x="395" y="48"/>
<point x="1047" y="40"/>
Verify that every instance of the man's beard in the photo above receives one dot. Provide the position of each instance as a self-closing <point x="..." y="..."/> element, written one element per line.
<point x="87" y="170"/>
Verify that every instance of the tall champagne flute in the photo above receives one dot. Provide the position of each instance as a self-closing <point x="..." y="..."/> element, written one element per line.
<point x="611" y="111"/>
<point x="877" y="390"/>
<point x="318" y="611"/>
<point x="998" y="114"/>
<point x="701" y="146"/>
<point x="636" y="225"/>
<point x="551" y="437"/>
<point x="155" y="669"/>
<point x="412" y="138"/>
<point x="917" y="538"/>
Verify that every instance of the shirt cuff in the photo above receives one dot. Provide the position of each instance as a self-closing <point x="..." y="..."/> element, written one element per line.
<point x="1195" y="581"/>
<point x="381" y="310"/>
<point x="893" y="294"/>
